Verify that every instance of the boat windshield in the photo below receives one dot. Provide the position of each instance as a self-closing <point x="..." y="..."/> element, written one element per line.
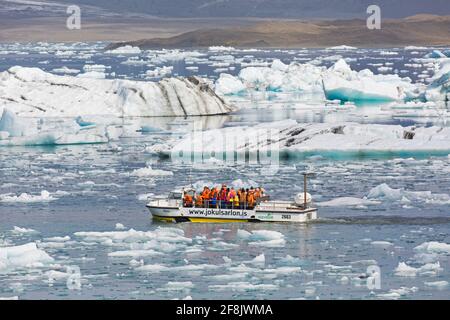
<point x="175" y="195"/>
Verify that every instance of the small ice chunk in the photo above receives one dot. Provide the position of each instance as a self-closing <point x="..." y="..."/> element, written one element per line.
<point x="437" y="284"/>
<point x="149" y="172"/>
<point x="120" y="226"/>
<point x="19" y="230"/>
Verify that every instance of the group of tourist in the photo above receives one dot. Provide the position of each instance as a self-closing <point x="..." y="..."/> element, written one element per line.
<point x="224" y="197"/>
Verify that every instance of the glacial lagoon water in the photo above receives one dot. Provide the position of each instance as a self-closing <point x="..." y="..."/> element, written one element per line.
<point x="377" y="210"/>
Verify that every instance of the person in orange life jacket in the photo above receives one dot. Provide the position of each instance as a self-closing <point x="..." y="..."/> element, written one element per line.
<point x="251" y="198"/>
<point x="223" y="196"/>
<point x="205" y="195"/>
<point x="213" y="197"/>
<point x="199" y="201"/>
<point x="187" y="200"/>
<point x="247" y="191"/>
<point x="242" y="198"/>
<point x="257" y="194"/>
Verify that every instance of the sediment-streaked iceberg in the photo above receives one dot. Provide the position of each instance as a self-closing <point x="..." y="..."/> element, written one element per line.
<point x="292" y="137"/>
<point x="33" y="92"/>
<point x="337" y="82"/>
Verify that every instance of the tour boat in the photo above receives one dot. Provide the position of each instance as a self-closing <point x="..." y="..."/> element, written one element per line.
<point x="173" y="208"/>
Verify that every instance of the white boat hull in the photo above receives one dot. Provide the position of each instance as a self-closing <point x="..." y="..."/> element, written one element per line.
<point x="259" y="214"/>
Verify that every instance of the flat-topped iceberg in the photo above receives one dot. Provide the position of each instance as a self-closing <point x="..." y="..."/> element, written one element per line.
<point x="290" y="136"/>
<point x="125" y="50"/>
<point x="18" y="131"/>
<point x="33" y="92"/>
<point x="337" y="82"/>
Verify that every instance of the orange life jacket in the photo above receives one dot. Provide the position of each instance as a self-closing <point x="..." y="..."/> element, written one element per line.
<point x="199" y="201"/>
<point x="250" y="197"/>
<point x="243" y="197"/>
<point x="206" y="194"/>
<point x="187" y="199"/>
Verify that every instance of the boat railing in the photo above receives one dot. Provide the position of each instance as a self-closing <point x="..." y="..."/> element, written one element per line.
<point x="220" y="204"/>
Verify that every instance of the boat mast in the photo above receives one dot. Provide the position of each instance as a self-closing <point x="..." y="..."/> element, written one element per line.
<point x="305" y="176"/>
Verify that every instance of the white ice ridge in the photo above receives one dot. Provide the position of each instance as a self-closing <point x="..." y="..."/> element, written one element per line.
<point x="337" y="82"/>
<point x="33" y="92"/>
<point x="290" y="136"/>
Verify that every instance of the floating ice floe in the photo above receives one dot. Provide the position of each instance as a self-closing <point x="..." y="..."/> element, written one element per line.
<point x="434" y="247"/>
<point x="159" y="72"/>
<point x="437" y="284"/>
<point x="439" y="88"/>
<point x="347" y="202"/>
<point x="66" y="70"/>
<point x="384" y="192"/>
<point x="149" y="172"/>
<point x="164" y="56"/>
<point x="23" y="256"/>
<point x="243" y="287"/>
<point x="19" y="131"/>
<point x="342" y="47"/>
<point x="264" y="238"/>
<point x="178" y="286"/>
<point x="27" y="198"/>
<point x="221" y="48"/>
<point x="435" y="54"/>
<point x="138" y="243"/>
<point x="19" y="230"/>
<point x="290" y="137"/>
<point x="33" y="92"/>
<point x="124" y="50"/>
<point x="395" y="294"/>
<point x="405" y="270"/>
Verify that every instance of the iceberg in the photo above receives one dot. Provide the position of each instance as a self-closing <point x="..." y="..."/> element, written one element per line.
<point x="19" y="131"/>
<point x="342" y="83"/>
<point x="290" y="137"/>
<point x="339" y="82"/>
<point x="439" y="88"/>
<point x="33" y="92"/>
<point x="125" y="50"/>
<point x="227" y="84"/>
<point x="435" y="54"/>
